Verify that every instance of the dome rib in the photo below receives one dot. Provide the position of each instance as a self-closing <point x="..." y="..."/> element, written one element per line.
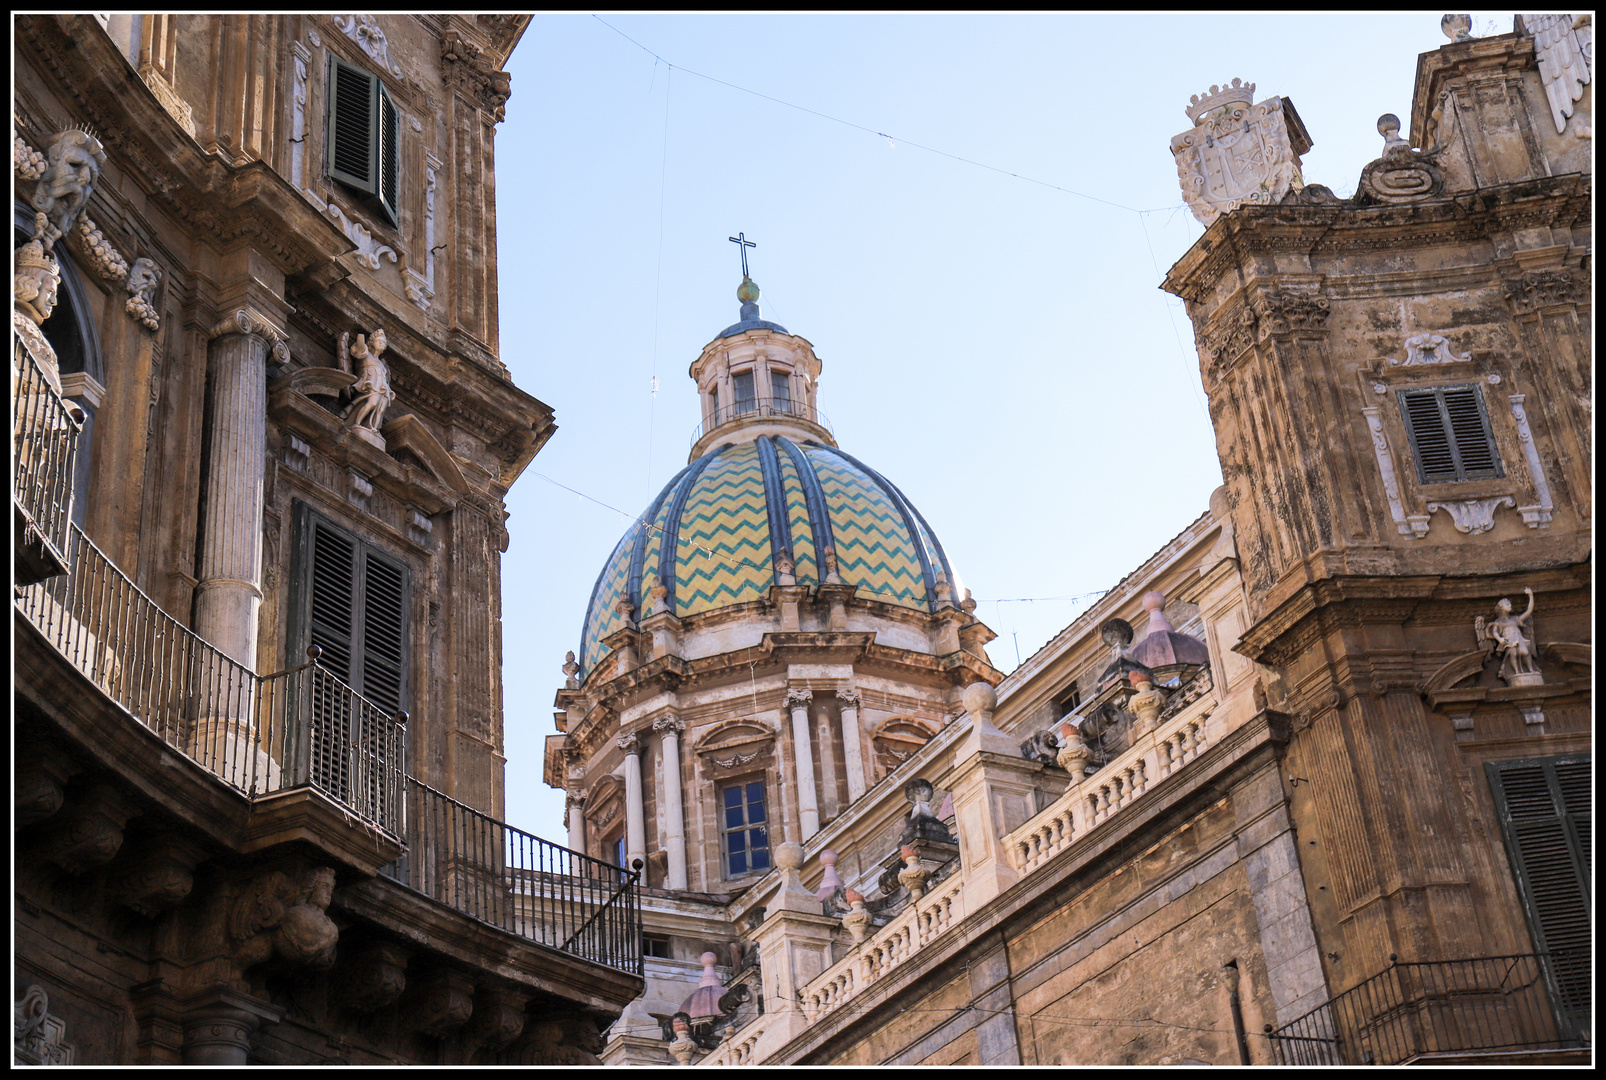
<point x="669" y="550"/>
<point x="814" y="498"/>
<point x="905" y="511"/>
<point x="638" y="554"/>
<point x="774" y="501"/>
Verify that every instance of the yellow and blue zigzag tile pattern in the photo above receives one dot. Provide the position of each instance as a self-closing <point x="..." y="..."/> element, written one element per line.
<point x="873" y="547"/>
<point x="724" y="542"/>
<point x="603" y="619"/>
<point x="797" y="519"/>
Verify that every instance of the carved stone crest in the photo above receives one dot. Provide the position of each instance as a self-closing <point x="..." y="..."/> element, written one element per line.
<point x="1473" y="516"/>
<point x="1237" y="153"/>
<point x="1429" y="349"/>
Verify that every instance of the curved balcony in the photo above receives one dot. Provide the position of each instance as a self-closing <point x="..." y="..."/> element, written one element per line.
<point x="767" y="409"/>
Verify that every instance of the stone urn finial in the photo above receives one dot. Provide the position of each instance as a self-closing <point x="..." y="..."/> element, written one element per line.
<point x="1073" y="756"/>
<point x="857" y="920"/>
<point x="1146" y="703"/>
<point x="913" y="875"/>
<point x="830" y="883"/>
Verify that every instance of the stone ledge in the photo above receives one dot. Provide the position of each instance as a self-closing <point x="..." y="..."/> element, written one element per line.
<point x="311" y="817"/>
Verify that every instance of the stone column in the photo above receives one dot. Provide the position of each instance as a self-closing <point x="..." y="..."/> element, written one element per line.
<point x="674" y="815"/>
<point x="635" y="822"/>
<point x="218" y="1025"/>
<point x="229" y="591"/>
<point x="849" y="699"/>
<point x="574" y="803"/>
<point x="808" y="806"/>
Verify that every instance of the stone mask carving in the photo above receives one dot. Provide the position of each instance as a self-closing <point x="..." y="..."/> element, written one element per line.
<point x="72" y="165"/>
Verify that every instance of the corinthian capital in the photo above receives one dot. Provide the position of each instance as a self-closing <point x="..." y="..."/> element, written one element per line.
<point x="849" y="697"/>
<point x="799" y="698"/>
<point x="628" y="742"/>
<point x="669" y="724"/>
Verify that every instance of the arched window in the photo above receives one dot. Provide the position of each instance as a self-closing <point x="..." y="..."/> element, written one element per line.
<point x="72" y="334"/>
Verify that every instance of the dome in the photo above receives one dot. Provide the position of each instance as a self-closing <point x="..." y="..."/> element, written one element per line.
<point x="731" y="513"/>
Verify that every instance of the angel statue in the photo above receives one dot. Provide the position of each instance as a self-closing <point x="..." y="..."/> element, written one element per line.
<point x="371" y="391"/>
<point x="1512" y="637"/>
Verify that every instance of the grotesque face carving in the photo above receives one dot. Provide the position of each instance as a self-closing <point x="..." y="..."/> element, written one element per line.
<point x="73" y="164"/>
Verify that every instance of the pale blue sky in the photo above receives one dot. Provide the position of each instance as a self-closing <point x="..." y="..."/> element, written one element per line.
<point x="996" y="347"/>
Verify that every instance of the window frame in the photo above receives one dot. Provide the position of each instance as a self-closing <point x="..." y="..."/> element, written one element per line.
<point x="382" y="134"/>
<point x="741" y="406"/>
<point x="726" y="830"/>
<point x="1496" y="469"/>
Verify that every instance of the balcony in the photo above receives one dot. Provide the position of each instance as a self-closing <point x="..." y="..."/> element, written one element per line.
<point x="1531" y="1008"/>
<point x="299" y="748"/>
<point x="759" y="410"/>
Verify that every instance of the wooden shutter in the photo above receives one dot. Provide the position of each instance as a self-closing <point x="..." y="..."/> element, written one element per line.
<point x="357" y="603"/>
<point x="387" y="154"/>
<point x="353" y="122"/>
<point x="1450" y="434"/>
<point x="1545" y="813"/>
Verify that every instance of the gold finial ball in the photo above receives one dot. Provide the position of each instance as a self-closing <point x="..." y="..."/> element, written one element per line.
<point x="747" y="291"/>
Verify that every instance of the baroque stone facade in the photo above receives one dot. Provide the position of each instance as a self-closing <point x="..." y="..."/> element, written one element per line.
<point x="266" y="421"/>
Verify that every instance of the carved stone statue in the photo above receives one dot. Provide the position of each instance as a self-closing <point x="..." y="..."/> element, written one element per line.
<point x="72" y="165"/>
<point x="143" y="278"/>
<point x="34" y="280"/>
<point x="371" y="391"/>
<point x="1512" y="637"/>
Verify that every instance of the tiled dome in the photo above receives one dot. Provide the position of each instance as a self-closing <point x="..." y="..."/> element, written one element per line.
<point x="729" y="515"/>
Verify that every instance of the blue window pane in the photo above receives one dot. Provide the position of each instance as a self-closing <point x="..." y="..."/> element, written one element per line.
<point x="733" y="818"/>
<point x="738" y="842"/>
<point x="761" y="860"/>
<point x="755" y="794"/>
<point x="733" y="796"/>
<point x="755" y="811"/>
<point x="738" y="864"/>
<point x="758" y="838"/>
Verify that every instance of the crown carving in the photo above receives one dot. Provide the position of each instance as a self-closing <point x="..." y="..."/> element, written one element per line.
<point x="1239" y="93"/>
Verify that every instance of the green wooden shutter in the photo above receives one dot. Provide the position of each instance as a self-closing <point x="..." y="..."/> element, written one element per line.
<point x="353" y="122"/>
<point x="1545" y="816"/>
<point x="383" y="672"/>
<point x="1450" y="434"/>
<point x="332" y="598"/>
<point x="387" y="154"/>
<point x="356" y="603"/>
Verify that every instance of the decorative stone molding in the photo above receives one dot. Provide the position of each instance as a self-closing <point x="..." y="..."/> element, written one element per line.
<point x="1538" y="515"/>
<point x="38" y="1038"/>
<point x="1473" y="516"/>
<point x="373" y="976"/>
<point x="1545" y="288"/>
<point x="439" y="1003"/>
<point x="421" y="287"/>
<point x="26" y="162"/>
<point x="669" y="723"/>
<point x="300" y="58"/>
<point x="1229" y="337"/>
<point x="1237" y="153"/>
<point x="799" y="698"/>
<point x="361" y="493"/>
<point x="1401" y="175"/>
<point x="275" y="914"/>
<point x="143" y="281"/>
<point x="365" y="31"/>
<point x="1511" y="638"/>
<point x="89" y="832"/>
<point x="629" y="742"/>
<point x="497" y="1020"/>
<point x="419" y="528"/>
<point x="848" y="697"/>
<point x="98" y="252"/>
<point x="1565" y="51"/>
<point x="1428" y="349"/>
<point x="1284" y="313"/>
<point x="464" y="67"/>
<point x="252" y="324"/>
<point x="369" y="251"/>
<point x="296" y="452"/>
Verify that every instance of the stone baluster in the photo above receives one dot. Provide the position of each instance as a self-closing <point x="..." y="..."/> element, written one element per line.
<point x="808" y="806"/>
<point x="851" y="748"/>
<point x="635" y="821"/>
<point x="674" y="814"/>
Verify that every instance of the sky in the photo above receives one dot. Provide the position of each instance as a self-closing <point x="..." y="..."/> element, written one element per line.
<point x="968" y="216"/>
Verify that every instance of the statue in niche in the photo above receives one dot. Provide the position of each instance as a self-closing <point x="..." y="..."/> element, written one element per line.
<point x="72" y="165"/>
<point x="371" y="392"/>
<point x="1511" y="636"/>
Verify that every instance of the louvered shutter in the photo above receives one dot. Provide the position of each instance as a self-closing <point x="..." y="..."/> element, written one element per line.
<point x="353" y="122"/>
<point x="1545" y="817"/>
<point x="387" y="153"/>
<point x="332" y="602"/>
<point x="1449" y="434"/>
<point x="357" y="604"/>
<point x="384" y="652"/>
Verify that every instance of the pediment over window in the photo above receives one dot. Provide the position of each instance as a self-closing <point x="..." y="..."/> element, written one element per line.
<point x="737" y="746"/>
<point x="897" y="740"/>
<point x="409" y="433"/>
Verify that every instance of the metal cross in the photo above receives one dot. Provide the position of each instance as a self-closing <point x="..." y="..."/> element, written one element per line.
<point x="741" y="238"/>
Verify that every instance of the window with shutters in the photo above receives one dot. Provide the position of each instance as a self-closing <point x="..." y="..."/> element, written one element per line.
<point x="1544" y="808"/>
<point x="1450" y="436"/>
<point x="364" y="130"/>
<point x="353" y="604"/>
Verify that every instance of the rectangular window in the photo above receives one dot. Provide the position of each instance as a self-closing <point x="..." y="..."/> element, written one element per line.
<point x="747" y="844"/>
<point x="1545" y="818"/>
<point x="742" y="383"/>
<point x="617" y="850"/>
<point x="1450" y="435"/>
<point x="354" y="604"/>
<point x="781" y="390"/>
<point x="655" y="945"/>
<point x="363" y="136"/>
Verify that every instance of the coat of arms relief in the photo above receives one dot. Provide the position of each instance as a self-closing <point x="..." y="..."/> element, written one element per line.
<point x="1238" y="152"/>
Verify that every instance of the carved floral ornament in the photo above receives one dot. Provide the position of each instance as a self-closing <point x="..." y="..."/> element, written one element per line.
<point x="464" y="66"/>
<point x="1545" y="288"/>
<point x="365" y="31"/>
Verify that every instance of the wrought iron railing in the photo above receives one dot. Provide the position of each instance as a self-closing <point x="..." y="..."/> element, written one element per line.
<point x="1440" y="1009"/>
<point x="511" y="879"/>
<point x="797" y="410"/>
<point x="301" y="727"/>
<point x="44" y="444"/>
